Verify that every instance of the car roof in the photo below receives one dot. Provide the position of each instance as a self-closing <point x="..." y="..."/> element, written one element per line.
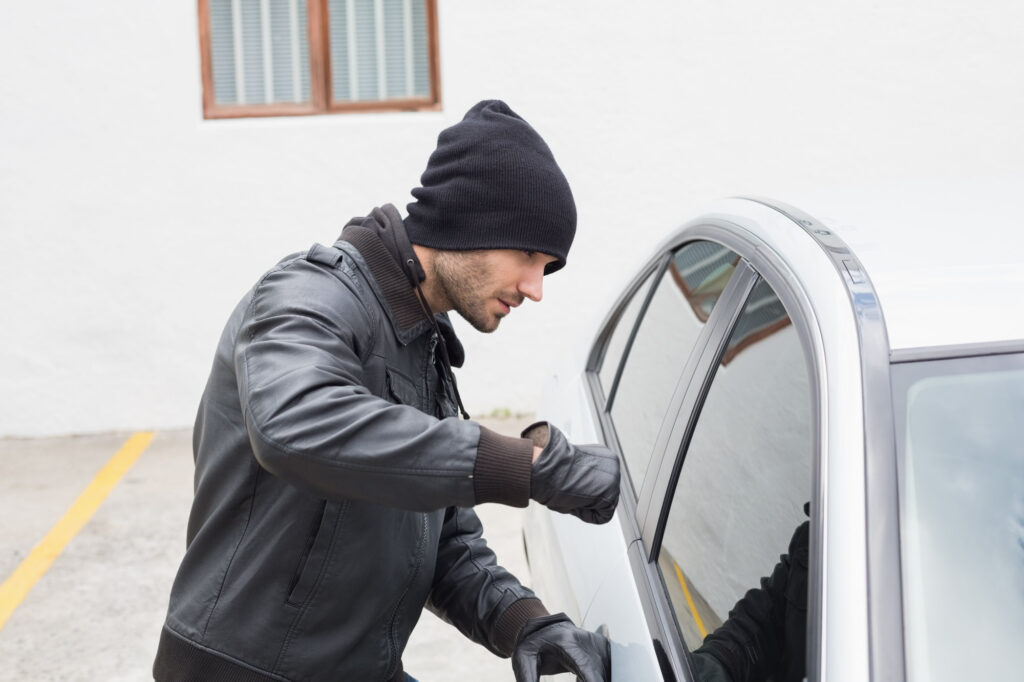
<point x="946" y="259"/>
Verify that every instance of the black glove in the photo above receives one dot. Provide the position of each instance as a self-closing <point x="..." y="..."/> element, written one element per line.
<point x="582" y="480"/>
<point x="552" y="644"/>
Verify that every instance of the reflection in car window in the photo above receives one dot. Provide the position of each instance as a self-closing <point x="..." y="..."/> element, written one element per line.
<point x="695" y="277"/>
<point x="961" y="451"/>
<point x="740" y="500"/>
<point x="619" y="337"/>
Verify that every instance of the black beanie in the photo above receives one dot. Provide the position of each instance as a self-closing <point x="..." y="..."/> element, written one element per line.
<point x="492" y="183"/>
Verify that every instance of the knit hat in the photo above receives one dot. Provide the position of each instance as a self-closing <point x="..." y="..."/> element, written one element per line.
<point x="492" y="183"/>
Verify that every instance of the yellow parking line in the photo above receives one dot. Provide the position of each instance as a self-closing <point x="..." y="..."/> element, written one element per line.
<point x="689" y="602"/>
<point x="16" y="587"/>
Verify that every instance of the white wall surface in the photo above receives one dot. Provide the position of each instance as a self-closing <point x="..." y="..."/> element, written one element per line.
<point x="129" y="226"/>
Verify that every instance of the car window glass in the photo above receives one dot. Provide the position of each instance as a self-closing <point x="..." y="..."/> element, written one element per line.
<point x="960" y="436"/>
<point x="740" y="500"/>
<point x="620" y="335"/>
<point x="684" y="298"/>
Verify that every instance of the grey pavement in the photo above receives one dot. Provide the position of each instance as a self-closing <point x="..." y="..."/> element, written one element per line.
<point x="96" y="614"/>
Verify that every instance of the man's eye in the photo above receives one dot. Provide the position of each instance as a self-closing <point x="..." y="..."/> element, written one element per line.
<point x="530" y="254"/>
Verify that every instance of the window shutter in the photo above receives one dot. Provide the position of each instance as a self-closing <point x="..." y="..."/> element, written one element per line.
<point x="378" y="50"/>
<point x="260" y="51"/>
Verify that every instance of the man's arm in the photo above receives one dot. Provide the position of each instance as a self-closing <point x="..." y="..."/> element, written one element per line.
<point x="313" y="422"/>
<point x="488" y="605"/>
<point x="472" y="592"/>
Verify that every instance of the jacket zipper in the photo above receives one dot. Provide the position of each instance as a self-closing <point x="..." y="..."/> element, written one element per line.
<point x="393" y="625"/>
<point x="431" y="360"/>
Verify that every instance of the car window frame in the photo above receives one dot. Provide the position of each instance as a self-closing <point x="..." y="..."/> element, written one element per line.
<point x="644" y="514"/>
<point x="652" y="278"/>
<point x="654" y="272"/>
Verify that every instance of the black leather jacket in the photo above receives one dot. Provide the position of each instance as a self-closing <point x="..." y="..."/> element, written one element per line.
<point x="333" y="484"/>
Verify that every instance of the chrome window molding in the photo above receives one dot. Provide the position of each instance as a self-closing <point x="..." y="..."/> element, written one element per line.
<point x="959" y="351"/>
<point x="885" y="605"/>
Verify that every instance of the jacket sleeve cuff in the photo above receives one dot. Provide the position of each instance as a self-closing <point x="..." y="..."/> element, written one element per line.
<point x="511" y="622"/>
<point x="502" y="470"/>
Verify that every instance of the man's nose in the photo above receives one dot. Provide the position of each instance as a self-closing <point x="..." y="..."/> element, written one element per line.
<point x="532" y="284"/>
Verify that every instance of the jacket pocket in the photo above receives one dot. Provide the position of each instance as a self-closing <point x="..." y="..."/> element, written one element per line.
<point x="314" y="557"/>
<point x="401" y="389"/>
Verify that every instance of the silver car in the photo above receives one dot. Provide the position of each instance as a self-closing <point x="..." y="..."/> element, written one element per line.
<point x="770" y="370"/>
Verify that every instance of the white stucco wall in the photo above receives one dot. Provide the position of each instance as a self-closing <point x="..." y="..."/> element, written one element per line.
<point x="129" y="226"/>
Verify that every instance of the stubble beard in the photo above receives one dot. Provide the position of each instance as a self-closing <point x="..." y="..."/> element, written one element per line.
<point x="463" y="277"/>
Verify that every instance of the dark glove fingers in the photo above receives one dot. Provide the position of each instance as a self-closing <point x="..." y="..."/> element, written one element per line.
<point x="579" y="480"/>
<point x="588" y="654"/>
<point x="595" y="478"/>
<point x="525" y="664"/>
<point x="526" y="657"/>
<point x="552" y="645"/>
<point x="569" y="658"/>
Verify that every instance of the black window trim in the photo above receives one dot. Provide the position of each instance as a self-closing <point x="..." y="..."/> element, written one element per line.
<point x="610" y="434"/>
<point x="691" y="389"/>
<point x="599" y="402"/>
<point x="653" y="272"/>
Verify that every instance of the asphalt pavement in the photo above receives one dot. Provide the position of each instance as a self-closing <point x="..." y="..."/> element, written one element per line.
<point x="87" y="556"/>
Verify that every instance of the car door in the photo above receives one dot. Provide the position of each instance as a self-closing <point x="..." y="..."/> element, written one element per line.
<point x="728" y="485"/>
<point x="640" y="364"/>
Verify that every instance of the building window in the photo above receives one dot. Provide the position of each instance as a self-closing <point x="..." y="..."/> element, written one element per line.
<point x="293" y="57"/>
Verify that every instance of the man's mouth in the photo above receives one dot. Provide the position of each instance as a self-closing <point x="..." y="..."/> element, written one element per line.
<point x="508" y="304"/>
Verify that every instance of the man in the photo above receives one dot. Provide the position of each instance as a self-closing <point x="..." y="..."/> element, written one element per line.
<point x="334" y="482"/>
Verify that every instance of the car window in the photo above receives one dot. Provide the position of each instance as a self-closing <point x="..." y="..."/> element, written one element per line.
<point x="959" y="440"/>
<point x="742" y="497"/>
<point x="620" y="335"/>
<point x="684" y="298"/>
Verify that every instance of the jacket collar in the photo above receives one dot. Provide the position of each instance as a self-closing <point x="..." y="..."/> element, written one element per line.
<point x="381" y="240"/>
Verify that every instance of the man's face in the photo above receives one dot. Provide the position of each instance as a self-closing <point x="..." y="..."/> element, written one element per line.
<point x="484" y="286"/>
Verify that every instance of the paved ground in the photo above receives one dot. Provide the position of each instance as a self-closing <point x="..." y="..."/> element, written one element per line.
<point x="96" y="613"/>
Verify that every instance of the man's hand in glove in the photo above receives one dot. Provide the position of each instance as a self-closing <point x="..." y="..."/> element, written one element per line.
<point x="582" y="480"/>
<point x="552" y="644"/>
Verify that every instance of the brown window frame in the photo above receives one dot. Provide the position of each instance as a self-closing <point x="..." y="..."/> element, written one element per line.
<point x="319" y="74"/>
